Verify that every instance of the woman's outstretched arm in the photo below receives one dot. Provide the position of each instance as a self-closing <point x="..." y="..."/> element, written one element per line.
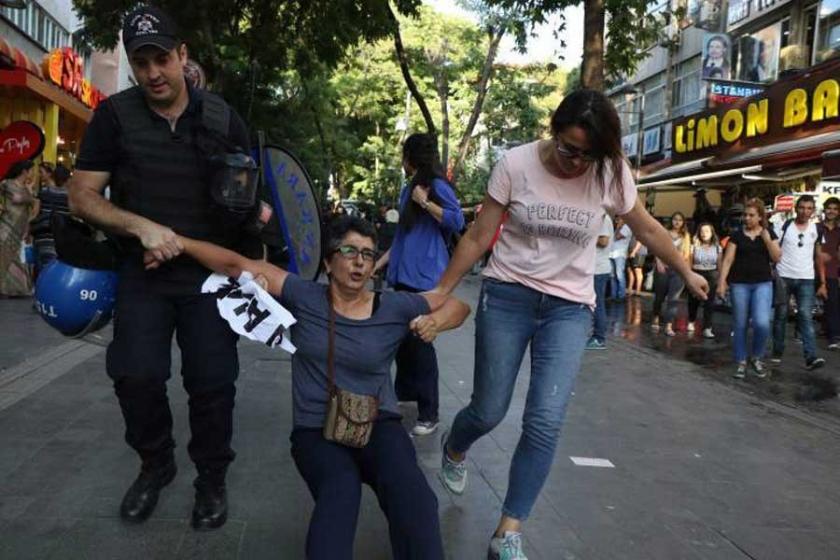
<point x="227" y="262"/>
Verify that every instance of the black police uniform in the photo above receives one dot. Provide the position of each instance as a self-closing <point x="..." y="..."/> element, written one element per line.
<point x="161" y="174"/>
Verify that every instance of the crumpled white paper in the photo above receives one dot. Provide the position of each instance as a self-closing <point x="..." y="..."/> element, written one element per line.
<point x="251" y="311"/>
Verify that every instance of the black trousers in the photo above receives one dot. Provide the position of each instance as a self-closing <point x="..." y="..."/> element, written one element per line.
<point x="417" y="373"/>
<point x="708" y="305"/>
<point x="388" y="464"/>
<point x="138" y="361"/>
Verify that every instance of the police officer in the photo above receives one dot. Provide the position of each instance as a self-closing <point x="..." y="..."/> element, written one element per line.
<point x="154" y="144"/>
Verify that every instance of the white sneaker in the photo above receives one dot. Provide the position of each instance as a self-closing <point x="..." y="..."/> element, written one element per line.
<point x="453" y="474"/>
<point x="691" y="327"/>
<point x="508" y="547"/>
<point x="707" y="333"/>
<point x="424" y="428"/>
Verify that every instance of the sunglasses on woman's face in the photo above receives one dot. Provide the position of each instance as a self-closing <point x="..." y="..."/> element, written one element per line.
<point x="571" y="152"/>
<point x="350" y="252"/>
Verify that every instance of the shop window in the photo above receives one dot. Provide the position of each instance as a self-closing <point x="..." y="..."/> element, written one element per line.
<point x="40" y="31"/>
<point x="687" y="91"/>
<point x="810" y="32"/>
<point x="828" y="30"/>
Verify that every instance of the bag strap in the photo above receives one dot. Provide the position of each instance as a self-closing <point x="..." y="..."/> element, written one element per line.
<point x="215" y="113"/>
<point x="331" y="346"/>
<point x="785" y="227"/>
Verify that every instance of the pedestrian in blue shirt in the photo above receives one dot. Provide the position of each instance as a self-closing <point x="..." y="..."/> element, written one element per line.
<point x="430" y="215"/>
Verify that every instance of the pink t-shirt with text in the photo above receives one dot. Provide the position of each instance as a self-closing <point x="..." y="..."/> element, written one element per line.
<point x="549" y="238"/>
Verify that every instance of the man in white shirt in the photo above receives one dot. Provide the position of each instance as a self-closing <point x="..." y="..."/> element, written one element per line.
<point x="798" y="268"/>
<point x="618" y="257"/>
<point x="603" y="274"/>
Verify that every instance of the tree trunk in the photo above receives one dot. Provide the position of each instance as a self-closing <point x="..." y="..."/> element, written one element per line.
<point x="442" y="88"/>
<point x="409" y="81"/>
<point x="592" y="72"/>
<point x="486" y="73"/>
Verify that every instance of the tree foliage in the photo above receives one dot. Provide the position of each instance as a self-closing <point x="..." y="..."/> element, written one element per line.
<point x="616" y="49"/>
<point x="322" y="78"/>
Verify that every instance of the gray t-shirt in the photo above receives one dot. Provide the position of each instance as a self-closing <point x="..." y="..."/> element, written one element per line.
<point x="364" y="348"/>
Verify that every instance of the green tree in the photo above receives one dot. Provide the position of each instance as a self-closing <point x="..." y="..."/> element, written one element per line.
<point x="617" y="33"/>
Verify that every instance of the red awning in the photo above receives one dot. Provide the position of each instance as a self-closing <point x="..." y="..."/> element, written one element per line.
<point x="19" y="78"/>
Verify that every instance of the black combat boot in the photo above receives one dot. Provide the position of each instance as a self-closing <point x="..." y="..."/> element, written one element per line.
<point x="210" y="511"/>
<point x="142" y="497"/>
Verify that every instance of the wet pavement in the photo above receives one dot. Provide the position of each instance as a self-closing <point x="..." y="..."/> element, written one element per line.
<point x="694" y="464"/>
<point x="788" y="383"/>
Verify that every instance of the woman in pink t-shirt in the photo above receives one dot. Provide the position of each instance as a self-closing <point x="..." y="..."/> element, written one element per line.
<point x="538" y="289"/>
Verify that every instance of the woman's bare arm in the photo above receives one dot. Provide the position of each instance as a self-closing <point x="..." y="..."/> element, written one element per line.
<point x="227" y="262"/>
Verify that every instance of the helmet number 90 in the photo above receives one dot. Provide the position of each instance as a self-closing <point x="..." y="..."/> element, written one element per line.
<point x="88" y="295"/>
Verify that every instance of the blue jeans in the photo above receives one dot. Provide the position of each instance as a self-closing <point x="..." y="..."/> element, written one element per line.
<point x="751" y="301"/>
<point x="618" y="282"/>
<point x="599" y="328"/>
<point x="803" y="292"/>
<point x="509" y="318"/>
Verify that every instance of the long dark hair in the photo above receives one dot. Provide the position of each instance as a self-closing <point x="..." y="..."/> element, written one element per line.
<point x="421" y="152"/>
<point x="593" y="112"/>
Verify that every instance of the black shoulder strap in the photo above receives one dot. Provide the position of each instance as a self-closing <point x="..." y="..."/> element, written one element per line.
<point x="215" y="113"/>
<point x="785" y="227"/>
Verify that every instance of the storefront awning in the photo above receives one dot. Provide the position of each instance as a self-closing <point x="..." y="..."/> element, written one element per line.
<point x="781" y="155"/>
<point x="831" y="165"/>
<point x="19" y="78"/>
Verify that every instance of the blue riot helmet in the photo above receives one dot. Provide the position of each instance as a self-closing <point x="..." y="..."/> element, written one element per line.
<point x="75" y="301"/>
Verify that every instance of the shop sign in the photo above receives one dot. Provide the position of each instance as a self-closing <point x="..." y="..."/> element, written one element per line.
<point x="19" y="141"/>
<point x="744" y="11"/>
<point x="804" y="105"/>
<point x="829" y="188"/>
<point x="722" y="92"/>
<point x="65" y="68"/>
<point x="783" y="203"/>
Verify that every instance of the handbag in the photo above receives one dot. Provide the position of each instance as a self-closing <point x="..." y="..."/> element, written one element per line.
<point x="350" y="416"/>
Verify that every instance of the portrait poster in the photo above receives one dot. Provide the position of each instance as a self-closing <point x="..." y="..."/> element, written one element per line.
<point x="759" y="54"/>
<point x="717" y="56"/>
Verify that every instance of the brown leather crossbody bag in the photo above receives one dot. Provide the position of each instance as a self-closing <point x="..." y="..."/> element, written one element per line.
<point x="350" y="416"/>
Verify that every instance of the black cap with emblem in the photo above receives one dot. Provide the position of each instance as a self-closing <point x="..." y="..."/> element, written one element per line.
<point x="149" y="25"/>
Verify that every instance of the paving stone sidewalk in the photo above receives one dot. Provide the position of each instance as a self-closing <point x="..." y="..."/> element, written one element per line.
<point x="701" y="469"/>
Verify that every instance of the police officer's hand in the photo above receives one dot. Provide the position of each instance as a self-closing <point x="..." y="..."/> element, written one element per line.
<point x="160" y="241"/>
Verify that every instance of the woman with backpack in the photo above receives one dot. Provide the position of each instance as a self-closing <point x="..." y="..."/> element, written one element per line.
<point x="705" y="260"/>
<point x="430" y="215"/>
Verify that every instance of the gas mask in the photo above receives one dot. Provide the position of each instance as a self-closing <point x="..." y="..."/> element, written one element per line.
<point x="234" y="182"/>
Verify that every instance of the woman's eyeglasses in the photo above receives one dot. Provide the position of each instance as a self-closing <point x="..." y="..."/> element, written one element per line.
<point x="350" y="252"/>
<point x="572" y="152"/>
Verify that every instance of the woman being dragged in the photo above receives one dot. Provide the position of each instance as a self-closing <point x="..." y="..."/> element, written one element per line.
<point x="346" y="338"/>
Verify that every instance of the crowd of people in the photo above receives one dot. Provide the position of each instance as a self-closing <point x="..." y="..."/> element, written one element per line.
<point x="759" y="269"/>
<point x="29" y="194"/>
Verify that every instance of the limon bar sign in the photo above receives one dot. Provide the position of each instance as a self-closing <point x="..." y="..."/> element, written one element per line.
<point x="795" y="107"/>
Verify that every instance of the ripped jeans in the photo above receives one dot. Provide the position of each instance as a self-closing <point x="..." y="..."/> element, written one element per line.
<point x="511" y="317"/>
